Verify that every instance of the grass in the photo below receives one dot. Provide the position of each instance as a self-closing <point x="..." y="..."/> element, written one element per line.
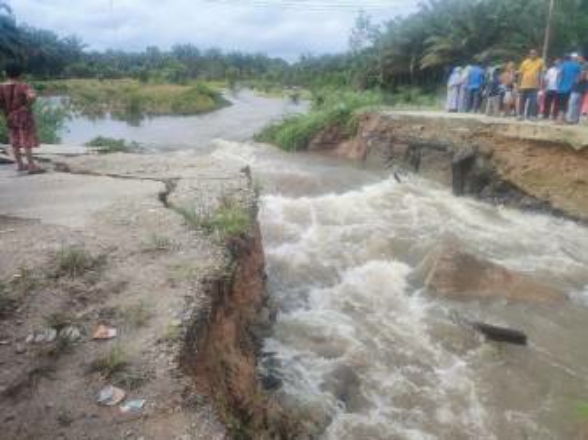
<point x="228" y="220"/>
<point x="137" y="315"/>
<point x="114" y="362"/>
<point x="582" y="410"/>
<point x="129" y="99"/>
<point x="74" y="262"/>
<point x="60" y="320"/>
<point x="106" y="145"/>
<point x="172" y="333"/>
<point x="49" y="120"/>
<point x="8" y="302"/>
<point x="157" y="243"/>
<point x="129" y="380"/>
<point x="330" y="109"/>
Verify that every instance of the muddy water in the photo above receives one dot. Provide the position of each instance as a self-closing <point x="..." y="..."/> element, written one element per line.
<point x="239" y="122"/>
<point x="364" y="353"/>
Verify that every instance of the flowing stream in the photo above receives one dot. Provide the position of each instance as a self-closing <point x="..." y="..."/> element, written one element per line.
<point x="361" y="350"/>
<point x="363" y="353"/>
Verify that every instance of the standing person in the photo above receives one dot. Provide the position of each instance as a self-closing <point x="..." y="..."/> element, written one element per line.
<point x="551" y="81"/>
<point x="16" y="100"/>
<point x="508" y="80"/>
<point x="476" y="81"/>
<point x="494" y="93"/>
<point x="579" y="91"/>
<point x="453" y="89"/>
<point x="531" y="71"/>
<point x="570" y="71"/>
<point x="463" y="91"/>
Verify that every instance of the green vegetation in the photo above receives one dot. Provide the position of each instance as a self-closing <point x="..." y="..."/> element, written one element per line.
<point x="330" y="110"/>
<point x="106" y="145"/>
<point x="74" y="262"/>
<point x="228" y="220"/>
<point x="114" y="362"/>
<point x="50" y="120"/>
<point x="411" y="50"/>
<point x="582" y="410"/>
<point x="137" y="315"/>
<point x="60" y="320"/>
<point x="131" y="100"/>
<point x="8" y="302"/>
<point x="157" y="243"/>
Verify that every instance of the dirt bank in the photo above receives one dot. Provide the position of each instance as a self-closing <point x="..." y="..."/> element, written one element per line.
<point x="534" y="166"/>
<point x="167" y="250"/>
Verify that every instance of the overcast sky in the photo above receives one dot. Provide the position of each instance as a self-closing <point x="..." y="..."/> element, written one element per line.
<point x="285" y="28"/>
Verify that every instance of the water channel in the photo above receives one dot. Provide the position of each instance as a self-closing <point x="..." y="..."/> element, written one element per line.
<point x="362" y="351"/>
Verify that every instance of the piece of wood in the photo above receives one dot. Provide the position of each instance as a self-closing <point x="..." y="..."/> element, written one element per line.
<point x="500" y="334"/>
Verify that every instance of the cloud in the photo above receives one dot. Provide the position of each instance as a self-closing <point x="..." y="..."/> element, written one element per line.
<point x="285" y="28"/>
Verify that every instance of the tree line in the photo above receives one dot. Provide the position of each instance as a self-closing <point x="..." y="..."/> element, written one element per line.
<point x="416" y="49"/>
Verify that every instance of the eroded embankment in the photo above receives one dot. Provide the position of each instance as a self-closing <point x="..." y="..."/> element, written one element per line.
<point x="222" y="344"/>
<point x="181" y="276"/>
<point x="532" y="166"/>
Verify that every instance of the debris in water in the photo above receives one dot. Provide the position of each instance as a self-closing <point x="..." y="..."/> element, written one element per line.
<point x="492" y="332"/>
<point x="42" y="336"/>
<point x="501" y="334"/>
<point x="132" y="406"/>
<point x="111" y="396"/>
<point x="104" y="332"/>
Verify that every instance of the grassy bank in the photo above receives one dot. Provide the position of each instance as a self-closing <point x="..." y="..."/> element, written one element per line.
<point x="329" y="109"/>
<point x="339" y="109"/>
<point x="126" y="97"/>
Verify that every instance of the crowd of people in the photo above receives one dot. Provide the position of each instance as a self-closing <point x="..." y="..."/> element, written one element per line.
<point x="532" y="90"/>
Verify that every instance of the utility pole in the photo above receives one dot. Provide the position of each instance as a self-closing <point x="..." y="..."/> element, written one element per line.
<point x="548" y="30"/>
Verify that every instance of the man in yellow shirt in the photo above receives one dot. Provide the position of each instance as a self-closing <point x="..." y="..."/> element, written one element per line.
<point x="531" y="72"/>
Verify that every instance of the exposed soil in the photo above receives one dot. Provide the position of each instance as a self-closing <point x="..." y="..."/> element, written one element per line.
<point x="132" y="263"/>
<point x="532" y="166"/>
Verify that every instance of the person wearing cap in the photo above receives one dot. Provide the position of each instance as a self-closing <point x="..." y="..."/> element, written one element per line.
<point x="530" y="72"/>
<point x="570" y="71"/>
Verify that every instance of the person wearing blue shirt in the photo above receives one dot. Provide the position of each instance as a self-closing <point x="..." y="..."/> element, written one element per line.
<point x="570" y="71"/>
<point x="476" y="81"/>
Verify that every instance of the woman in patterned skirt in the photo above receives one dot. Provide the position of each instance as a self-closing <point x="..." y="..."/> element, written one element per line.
<point x="16" y="100"/>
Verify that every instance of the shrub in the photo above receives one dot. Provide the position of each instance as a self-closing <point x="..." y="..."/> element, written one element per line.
<point x="115" y="361"/>
<point x="106" y="145"/>
<point x="49" y="120"/>
<point x="75" y="261"/>
<point x="228" y="220"/>
<point x="329" y="109"/>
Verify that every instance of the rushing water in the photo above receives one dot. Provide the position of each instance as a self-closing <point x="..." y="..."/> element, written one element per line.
<point x="363" y="352"/>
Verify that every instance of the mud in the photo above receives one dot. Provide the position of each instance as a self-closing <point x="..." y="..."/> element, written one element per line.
<point x="532" y="166"/>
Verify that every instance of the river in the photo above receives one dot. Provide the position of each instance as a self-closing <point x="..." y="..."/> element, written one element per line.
<point x="239" y="122"/>
<point x="361" y="350"/>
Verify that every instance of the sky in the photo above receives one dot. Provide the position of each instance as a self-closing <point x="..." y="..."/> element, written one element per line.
<point x="281" y="28"/>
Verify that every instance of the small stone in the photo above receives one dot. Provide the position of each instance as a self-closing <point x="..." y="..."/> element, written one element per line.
<point x="20" y="349"/>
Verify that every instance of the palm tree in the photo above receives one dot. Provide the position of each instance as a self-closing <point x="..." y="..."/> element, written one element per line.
<point x="9" y="34"/>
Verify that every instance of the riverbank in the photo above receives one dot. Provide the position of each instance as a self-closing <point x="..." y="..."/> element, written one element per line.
<point x="533" y="166"/>
<point x="164" y="249"/>
<point x="127" y="98"/>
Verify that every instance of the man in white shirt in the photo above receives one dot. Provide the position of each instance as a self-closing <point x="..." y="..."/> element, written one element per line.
<point x="551" y="81"/>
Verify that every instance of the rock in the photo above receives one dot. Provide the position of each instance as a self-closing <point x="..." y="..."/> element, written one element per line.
<point x="70" y="333"/>
<point x="454" y="273"/>
<point x="20" y="349"/>
<point x="42" y="336"/>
